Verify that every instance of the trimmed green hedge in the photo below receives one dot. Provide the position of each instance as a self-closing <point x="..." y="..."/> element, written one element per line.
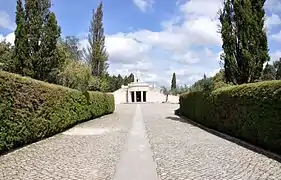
<point x="31" y="110"/>
<point x="251" y="112"/>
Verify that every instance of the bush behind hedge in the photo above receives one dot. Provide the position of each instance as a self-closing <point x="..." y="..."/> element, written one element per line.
<point x="251" y="112"/>
<point x="31" y="110"/>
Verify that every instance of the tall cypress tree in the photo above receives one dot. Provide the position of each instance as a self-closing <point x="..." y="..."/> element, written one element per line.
<point x="49" y="63"/>
<point x="131" y="78"/>
<point x="244" y="40"/>
<point x="260" y="50"/>
<point x="22" y="63"/>
<point x="37" y="14"/>
<point x="174" y="82"/>
<point x="96" y="52"/>
<point x="277" y="66"/>
<point x="36" y="37"/>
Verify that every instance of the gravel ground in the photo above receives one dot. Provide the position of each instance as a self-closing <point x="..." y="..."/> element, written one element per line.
<point x="183" y="151"/>
<point x="93" y="149"/>
<point x="88" y="151"/>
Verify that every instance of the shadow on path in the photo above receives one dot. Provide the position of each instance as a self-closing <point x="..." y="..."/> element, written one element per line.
<point x="237" y="141"/>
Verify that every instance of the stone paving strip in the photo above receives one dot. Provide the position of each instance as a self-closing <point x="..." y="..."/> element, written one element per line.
<point x="183" y="151"/>
<point x="136" y="160"/>
<point x="89" y="151"/>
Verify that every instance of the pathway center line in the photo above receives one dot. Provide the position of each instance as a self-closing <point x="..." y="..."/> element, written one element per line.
<point x="136" y="161"/>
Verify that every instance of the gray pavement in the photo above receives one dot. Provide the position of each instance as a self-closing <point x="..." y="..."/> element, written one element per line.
<point x="137" y="142"/>
<point x="90" y="151"/>
<point x="183" y="151"/>
<point x="136" y="160"/>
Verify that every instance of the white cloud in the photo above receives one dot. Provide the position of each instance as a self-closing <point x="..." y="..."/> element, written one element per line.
<point x="188" y="44"/>
<point x="275" y="56"/>
<point x="201" y="31"/>
<point x="8" y="38"/>
<point x="276" y="37"/>
<point x="170" y="22"/>
<point x="5" y="21"/>
<point x="273" y="5"/>
<point x="182" y="46"/>
<point x="208" y="8"/>
<point x="157" y="54"/>
<point x="143" y="5"/>
<point x="197" y="57"/>
<point x="123" y="48"/>
<point x="272" y="21"/>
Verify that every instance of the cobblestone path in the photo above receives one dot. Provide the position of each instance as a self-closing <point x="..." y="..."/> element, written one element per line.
<point x="89" y="151"/>
<point x="145" y="140"/>
<point x="183" y="151"/>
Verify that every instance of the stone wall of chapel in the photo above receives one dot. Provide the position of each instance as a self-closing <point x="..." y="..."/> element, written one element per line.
<point x="139" y="89"/>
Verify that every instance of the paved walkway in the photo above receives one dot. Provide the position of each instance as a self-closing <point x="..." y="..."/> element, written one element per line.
<point x="136" y="160"/>
<point x="137" y="142"/>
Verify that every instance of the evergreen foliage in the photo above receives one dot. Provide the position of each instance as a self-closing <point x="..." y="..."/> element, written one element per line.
<point x="250" y="112"/>
<point x="174" y="82"/>
<point x="269" y="73"/>
<point x="96" y="54"/>
<point x="244" y="40"/>
<point x="35" y="52"/>
<point x="32" y="110"/>
<point x="277" y="66"/>
<point x="22" y="64"/>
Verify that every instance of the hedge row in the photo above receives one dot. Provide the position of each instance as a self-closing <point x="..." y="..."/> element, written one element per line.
<point x="31" y="110"/>
<point x="251" y="112"/>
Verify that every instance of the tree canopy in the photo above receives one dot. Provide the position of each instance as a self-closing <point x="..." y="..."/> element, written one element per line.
<point x="244" y="40"/>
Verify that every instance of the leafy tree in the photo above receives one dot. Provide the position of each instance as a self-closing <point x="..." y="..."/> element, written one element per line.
<point x="207" y="84"/>
<point x="125" y="81"/>
<point x="72" y="44"/>
<point x="244" y="40"/>
<point x="75" y="75"/>
<point x="112" y="83"/>
<point x="131" y="78"/>
<point x="128" y="79"/>
<point x="115" y="82"/>
<point x="174" y="82"/>
<point x="165" y="91"/>
<point x="269" y="73"/>
<point x="36" y="37"/>
<point x="6" y="52"/>
<point x="182" y="89"/>
<point x="197" y="86"/>
<point x="49" y="63"/>
<point x="95" y="53"/>
<point x="21" y="61"/>
<point x="219" y="80"/>
<point x="37" y="12"/>
<point x="119" y="81"/>
<point x="277" y="65"/>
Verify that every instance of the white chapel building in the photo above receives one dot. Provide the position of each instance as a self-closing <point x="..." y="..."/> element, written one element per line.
<point x="141" y="92"/>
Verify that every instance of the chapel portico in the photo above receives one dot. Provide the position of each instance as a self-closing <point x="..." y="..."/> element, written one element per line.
<point x="141" y="92"/>
<point x="137" y="92"/>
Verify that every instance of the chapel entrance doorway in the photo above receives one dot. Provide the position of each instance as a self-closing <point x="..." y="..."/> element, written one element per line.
<point x="138" y="94"/>
<point x="133" y="96"/>
<point x="144" y="96"/>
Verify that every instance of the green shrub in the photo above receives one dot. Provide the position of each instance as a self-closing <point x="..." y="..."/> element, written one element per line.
<point x="31" y="110"/>
<point x="251" y="112"/>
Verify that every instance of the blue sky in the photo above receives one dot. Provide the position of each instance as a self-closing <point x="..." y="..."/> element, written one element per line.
<point x="155" y="37"/>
